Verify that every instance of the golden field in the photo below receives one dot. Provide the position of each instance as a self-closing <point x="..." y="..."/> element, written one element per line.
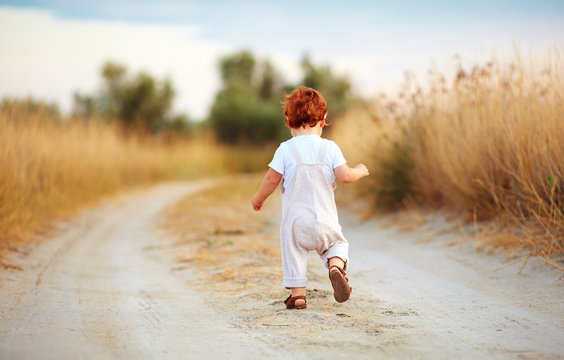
<point x="50" y="169"/>
<point x="488" y="143"/>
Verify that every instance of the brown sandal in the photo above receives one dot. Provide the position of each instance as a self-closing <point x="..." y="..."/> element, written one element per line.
<point x="341" y="289"/>
<point x="291" y="302"/>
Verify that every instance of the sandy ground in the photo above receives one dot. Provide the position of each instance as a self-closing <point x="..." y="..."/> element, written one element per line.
<point x="115" y="284"/>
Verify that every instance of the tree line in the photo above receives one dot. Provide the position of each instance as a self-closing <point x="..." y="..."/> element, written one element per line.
<point x="246" y="109"/>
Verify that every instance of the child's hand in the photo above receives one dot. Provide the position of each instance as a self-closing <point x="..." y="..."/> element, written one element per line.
<point x="257" y="203"/>
<point x="362" y="170"/>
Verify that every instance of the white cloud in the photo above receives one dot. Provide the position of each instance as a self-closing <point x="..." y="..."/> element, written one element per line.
<point x="49" y="58"/>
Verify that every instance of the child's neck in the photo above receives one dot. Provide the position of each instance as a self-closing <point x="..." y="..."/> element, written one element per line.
<point x="308" y="130"/>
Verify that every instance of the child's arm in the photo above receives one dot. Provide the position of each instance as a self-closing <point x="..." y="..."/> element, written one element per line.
<point x="267" y="187"/>
<point x="349" y="175"/>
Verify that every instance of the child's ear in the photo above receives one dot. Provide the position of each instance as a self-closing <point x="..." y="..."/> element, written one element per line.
<point x="324" y="120"/>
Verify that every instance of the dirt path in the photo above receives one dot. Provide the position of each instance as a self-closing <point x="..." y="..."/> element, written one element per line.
<point x="95" y="293"/>
<point x="104" y="289"/>
<point x="467" y="304"/>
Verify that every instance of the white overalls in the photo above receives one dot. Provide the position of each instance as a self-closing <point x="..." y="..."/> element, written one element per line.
<point x="309" y="220"/>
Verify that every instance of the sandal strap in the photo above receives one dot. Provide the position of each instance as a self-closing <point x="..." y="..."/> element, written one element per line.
<point x="341" y="271"/>
<point x="291" y="301"/>
<point x="339" y="268"/>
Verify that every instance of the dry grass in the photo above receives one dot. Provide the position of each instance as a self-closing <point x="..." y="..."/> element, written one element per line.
<point x="50" y="169"/>
<point x="489" y="143"/>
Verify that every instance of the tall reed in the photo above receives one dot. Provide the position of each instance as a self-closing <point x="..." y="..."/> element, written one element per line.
<point x="49" y="169"/>
<point x="488" y="143"/>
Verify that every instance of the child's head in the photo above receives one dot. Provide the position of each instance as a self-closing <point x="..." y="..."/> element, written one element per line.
<point x="304" y="106"/>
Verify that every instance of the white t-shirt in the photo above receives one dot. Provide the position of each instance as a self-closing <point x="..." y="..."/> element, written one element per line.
<point x="308" y="146"/>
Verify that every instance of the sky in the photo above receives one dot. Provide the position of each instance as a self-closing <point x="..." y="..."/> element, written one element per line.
<point x="51" y="48"/>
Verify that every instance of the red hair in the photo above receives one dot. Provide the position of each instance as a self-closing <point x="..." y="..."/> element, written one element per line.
<point x="304" y="106"/>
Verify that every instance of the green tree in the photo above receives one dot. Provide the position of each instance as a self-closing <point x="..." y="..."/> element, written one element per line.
<point x="271" y="83"/>
<point x="335" y="89"/>
<point x="238" y="67"/>
<point x="247" y="107"/>
<point x="138" y="102"/>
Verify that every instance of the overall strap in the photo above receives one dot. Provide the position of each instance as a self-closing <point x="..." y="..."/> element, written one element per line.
<point x="322" y="151"/>
<point x="296" y="153"/>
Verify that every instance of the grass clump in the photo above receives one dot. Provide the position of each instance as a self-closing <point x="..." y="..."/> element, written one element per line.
<point x="488" y="143"/>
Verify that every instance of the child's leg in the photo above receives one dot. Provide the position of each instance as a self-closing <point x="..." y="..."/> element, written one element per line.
<point x="294" y="241"/>
<point x="337" y="254"/>
<point x="337" y="261"/>
<point x="294" y="264"/>
<point x="294" y="267"/>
